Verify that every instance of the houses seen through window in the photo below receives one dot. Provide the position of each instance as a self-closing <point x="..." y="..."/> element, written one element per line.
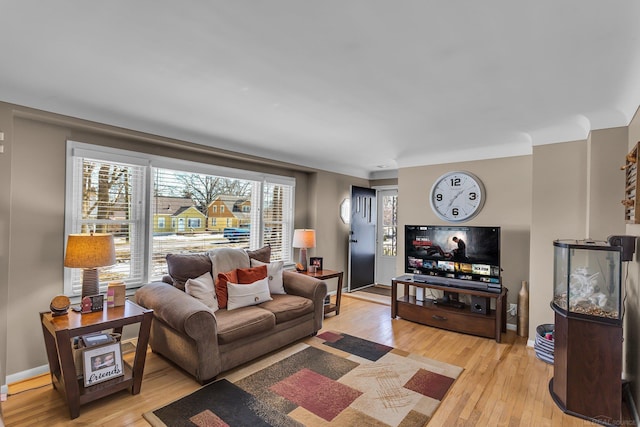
<point x="189" y="211"/>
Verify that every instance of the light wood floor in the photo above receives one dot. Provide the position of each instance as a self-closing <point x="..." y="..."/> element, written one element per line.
<point x="502" y="384"/>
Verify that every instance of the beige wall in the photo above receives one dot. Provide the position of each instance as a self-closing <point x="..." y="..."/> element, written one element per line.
<point x="632" y="288"/>
<point x="332" y="235"/>
<point x="32" y="171"/>
<point x="577" y="188"/>
<point x="6" y="126"/>
<point x="508" y="205"/>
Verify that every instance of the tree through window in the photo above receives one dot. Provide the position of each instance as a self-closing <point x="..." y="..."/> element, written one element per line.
<point x="177" y="212"/>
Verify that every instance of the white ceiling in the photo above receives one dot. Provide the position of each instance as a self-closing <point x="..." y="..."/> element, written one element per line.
<point x="341" y="85"/>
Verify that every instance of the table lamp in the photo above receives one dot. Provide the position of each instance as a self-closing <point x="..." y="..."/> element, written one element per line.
<point x="304" y="239"/>
<point x="90" y="251"/>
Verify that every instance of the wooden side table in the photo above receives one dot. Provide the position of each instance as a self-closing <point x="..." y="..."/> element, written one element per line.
<point x="324" y="275"/>
<point x="59" y="332"/>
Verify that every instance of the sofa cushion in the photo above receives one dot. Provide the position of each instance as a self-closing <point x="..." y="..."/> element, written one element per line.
<point x="263" y="254"/>
<point x="182" y="267"/>
<point x="247" y="294"/>
<point x="243" y="322"/>
<point x="287" y="307"/>
<point x="202" y="288"/>
<point x="274" y="274"/>
<point x="221" y="286"/>
<point x="227" y="259"/>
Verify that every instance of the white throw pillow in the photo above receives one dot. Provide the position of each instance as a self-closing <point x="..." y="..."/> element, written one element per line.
<point x="274" y="274"/>
<point x="202" y="288"/>
<point x="246" y="295"/>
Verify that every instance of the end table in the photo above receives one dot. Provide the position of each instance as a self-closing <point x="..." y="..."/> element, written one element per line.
<point x="59" y="332"/>
<point x="324" y="275"/>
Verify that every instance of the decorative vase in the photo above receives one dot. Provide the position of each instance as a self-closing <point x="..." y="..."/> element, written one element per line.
<point x="523" y="310"/>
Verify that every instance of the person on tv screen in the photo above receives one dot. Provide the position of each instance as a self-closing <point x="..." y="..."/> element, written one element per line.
<point x="460" y="253"/>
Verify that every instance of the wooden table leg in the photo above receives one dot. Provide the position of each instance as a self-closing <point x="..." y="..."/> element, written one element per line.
<point x="141" y="352"/>
<point x="68" y="374"/>
<point x="394" y="299"/>
<point x="52" y="353"/>
<point x="339" y="293"/>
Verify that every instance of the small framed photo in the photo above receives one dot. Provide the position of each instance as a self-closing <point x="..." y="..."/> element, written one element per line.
<point x="102" y="363"/>
<point x="316" y="261"/>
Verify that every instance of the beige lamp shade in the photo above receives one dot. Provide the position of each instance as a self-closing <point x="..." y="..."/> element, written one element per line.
<point x="304" y="238"/>
<point x="90" y="250"/>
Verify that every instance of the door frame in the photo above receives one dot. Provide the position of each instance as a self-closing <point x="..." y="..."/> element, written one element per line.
<point x="379" y="227"/>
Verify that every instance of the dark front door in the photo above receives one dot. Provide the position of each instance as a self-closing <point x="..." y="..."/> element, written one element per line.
<point x="362" y="246"/>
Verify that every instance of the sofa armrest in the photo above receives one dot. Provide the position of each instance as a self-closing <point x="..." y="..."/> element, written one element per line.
<point x="308" y="287"/>
<point x="179" y="310"/>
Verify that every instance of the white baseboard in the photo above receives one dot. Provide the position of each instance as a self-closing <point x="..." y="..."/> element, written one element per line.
<point x="29" y="373"/>
<point x="530" y="343"/>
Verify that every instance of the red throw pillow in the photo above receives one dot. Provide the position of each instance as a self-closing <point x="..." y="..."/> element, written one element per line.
<point x="250" y="275"/>
<point x="221" y="286"/>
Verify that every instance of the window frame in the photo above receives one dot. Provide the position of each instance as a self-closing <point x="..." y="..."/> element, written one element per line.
<point x="149" y="162"/>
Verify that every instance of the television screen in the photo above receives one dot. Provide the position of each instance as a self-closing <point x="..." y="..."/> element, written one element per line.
<point x="454" y="255"/>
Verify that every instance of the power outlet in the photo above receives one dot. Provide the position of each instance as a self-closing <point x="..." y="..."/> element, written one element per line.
<point x="513" y="309"/>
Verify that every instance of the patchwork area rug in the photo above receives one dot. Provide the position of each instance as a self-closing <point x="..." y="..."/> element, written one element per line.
<point x="331" y="379"/>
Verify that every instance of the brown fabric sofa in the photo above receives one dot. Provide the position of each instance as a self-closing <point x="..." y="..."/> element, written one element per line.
<point x="205" y="342"/>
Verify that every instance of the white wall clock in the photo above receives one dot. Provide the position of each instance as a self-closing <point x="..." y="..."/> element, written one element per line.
<point x="457" y="196"/>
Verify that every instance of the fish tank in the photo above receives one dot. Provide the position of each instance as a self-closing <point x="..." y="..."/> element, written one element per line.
<point x="587" y="279"/>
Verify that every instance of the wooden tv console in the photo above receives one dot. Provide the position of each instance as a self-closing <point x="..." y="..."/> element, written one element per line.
<point x="490" y="325"/>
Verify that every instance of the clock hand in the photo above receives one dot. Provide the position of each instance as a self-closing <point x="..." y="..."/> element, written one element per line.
<point x="454" y="198"/>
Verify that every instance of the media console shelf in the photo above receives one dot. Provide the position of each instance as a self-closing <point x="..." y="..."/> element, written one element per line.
<point x="490" y="325"/>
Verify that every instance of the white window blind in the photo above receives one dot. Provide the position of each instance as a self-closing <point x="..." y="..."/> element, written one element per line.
<point x="136" y="196"/>
<point x="277" y="208"/>
<point x="106" y="196"/>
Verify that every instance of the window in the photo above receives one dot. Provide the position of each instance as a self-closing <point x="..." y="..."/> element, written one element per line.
<point x="126" y="193"/>
<point x="390" y="225"/>
<point x="214" y="209"/>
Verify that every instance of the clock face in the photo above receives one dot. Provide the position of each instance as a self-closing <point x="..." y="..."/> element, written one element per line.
<point x="457" y="196"/>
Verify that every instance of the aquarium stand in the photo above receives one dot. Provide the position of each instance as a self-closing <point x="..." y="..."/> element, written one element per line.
<point x="587" y="368"/>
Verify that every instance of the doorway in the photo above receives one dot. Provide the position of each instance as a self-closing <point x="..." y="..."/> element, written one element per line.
<point x="387" y="245"/>
<point x="362" y="239"/>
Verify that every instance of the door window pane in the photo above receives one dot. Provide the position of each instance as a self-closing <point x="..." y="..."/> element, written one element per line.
<point x="389" y="225"/>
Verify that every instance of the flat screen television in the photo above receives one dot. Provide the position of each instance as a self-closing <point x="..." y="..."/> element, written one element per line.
<point x="456" y="256"/>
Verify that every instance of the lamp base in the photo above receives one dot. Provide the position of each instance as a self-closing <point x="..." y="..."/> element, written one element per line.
<point x="303" y="259"/>
<point x="90" y="282"/>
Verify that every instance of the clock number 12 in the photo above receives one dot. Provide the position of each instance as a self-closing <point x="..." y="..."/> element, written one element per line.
<point x="455" y="182"/>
